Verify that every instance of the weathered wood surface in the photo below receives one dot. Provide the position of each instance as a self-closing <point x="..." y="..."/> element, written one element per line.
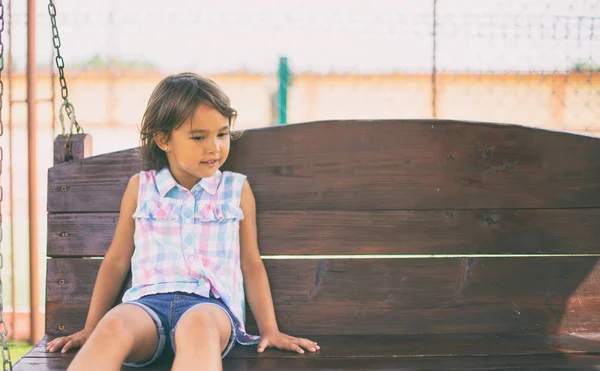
<point x="385" y="187"/>
<point x="93" y="184"/>
<point x="392" y="296"/>
<point x="81" y="147"/>
<point x="376" y="165"/>
<point x="395" y="353"/>
<point x="565" y="231"/>
<point x="524" y="363"/>
<point x="415" y="346"/>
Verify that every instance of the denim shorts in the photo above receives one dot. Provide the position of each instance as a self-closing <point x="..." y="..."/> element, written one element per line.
<point x="166" y="310"/>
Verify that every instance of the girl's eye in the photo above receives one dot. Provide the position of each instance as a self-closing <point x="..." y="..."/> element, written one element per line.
<point x="201" y="137"/>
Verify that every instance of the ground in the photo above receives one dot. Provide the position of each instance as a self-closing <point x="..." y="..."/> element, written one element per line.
<point x="18" y="350"/>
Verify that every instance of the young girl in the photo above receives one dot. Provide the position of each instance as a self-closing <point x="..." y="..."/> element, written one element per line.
<point x="188" y="233"/>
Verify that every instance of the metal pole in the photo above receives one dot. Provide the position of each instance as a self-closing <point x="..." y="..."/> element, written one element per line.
<point x="34" y="293"/>
<point x="11" y="202"/>
<point x="434" y="67"/>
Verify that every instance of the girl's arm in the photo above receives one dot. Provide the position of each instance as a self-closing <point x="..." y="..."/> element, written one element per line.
<point x="112" y="273"/>
<point x="256" y="283"/>
<point x="117" y="260"/>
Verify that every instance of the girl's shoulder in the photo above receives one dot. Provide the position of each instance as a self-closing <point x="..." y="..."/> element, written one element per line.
<point x="146" y="176"/>
<point x="147" y="184"/>
<point x="231" y="185"/>
<point x="232" y="179"/>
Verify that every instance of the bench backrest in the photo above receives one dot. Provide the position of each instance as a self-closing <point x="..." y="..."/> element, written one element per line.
<point x="350" y="214"/>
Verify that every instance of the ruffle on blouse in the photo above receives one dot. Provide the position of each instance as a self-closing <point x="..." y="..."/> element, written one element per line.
<point x="221" y="213"/>
<point x="161" y="210"/>
<point x="158" y="210"/>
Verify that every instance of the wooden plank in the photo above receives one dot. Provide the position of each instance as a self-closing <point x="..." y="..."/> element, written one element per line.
<point x="245" y="358"/>
<point x="543" y="362"/>
<point x="85" y="234"/>
<point x="93" y="184"/>
<point x="81" y="147"/>
<point x="565" y="231"/>
<point x="342" y="352"/>
<point x="376" y="165"/>
<point x="361" y="346"/>
<point x="393" y="296"/>
<point x="61" y="364"/>
<point x="430" y="232"/>
<point x="525" y="363"/>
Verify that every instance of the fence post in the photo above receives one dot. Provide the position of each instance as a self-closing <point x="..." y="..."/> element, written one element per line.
<point x="283" y="74"/>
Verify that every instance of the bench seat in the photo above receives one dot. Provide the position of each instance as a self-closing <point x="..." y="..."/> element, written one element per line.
<point x="396" y="352"/>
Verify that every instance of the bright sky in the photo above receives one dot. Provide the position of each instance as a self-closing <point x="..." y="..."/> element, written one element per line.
<point x="323" y="35"/>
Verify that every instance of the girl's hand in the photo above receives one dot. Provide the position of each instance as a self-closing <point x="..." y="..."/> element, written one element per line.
<point x="67" y="342"/>
<point x="282" y="341"/>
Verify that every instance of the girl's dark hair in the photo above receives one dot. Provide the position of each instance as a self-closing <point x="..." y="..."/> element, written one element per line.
<point x="172" y="102"/>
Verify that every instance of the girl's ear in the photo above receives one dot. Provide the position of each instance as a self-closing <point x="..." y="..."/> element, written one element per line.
<point x="161" y="140"/>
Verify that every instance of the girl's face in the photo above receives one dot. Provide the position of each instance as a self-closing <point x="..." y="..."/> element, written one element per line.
<point x="199" y="147"/>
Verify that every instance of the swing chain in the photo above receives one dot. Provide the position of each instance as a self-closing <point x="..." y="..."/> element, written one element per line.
<point x="6" y="361"/>
<point x="64" y="91"/>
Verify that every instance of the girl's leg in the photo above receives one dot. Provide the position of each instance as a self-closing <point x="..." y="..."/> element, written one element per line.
<point x="201" y="335"/>
<point x="126" y="332"/>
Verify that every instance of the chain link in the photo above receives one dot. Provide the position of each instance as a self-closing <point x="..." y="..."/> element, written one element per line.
<point x="64" y="91"/>
<point x="6" y="361"/>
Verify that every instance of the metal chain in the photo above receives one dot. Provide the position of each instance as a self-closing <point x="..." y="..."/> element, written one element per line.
<point x="6" y="361"/>
<point x="64" y="91"/>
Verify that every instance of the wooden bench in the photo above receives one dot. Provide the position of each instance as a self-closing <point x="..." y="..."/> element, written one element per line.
<point x="483" y="244"/>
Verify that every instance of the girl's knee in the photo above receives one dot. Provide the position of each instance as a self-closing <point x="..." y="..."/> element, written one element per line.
<point x="204" y="323"/>
<point x="198" y="321"/>
<point x="120" y="322"/>
<point x="114" y="325"/>
<point x="130" y="329"/>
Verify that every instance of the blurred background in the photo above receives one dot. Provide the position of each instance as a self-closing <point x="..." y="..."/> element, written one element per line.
<point x="524" y="62"/>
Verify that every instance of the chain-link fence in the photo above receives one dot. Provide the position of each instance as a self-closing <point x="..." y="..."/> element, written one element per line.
<point x="532" y="62"/>
<point x="527" y="62"/>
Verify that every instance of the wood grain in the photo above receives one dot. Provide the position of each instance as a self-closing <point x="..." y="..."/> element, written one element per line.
<point x="376" y="165"/>
<point x="523" y="363"/>
<point x="465" y="352"/>
<point x="357" y="346"/>
<point x="81" y="147"/>
<point x="383" y="187"/>
<point x="393" y="296"/>
<point x="560" y="231"/>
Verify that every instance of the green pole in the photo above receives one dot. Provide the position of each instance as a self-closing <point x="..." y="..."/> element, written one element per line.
<point x="284" y="77"/>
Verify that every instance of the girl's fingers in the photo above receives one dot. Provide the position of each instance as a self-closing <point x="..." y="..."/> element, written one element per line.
<point x="291" y="343"/>
<point x="54" y="344"/>
<point x="296" y="348"/>
<point x="309" y="345"/>
<point x="67" y="346"/>
<point x="262" y="346"/>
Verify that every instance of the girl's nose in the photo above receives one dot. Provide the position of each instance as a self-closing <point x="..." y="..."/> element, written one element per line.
<point x="215" y="146"/>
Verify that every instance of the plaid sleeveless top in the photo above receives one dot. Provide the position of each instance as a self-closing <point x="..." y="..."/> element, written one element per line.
<point x="188" y="240"/>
